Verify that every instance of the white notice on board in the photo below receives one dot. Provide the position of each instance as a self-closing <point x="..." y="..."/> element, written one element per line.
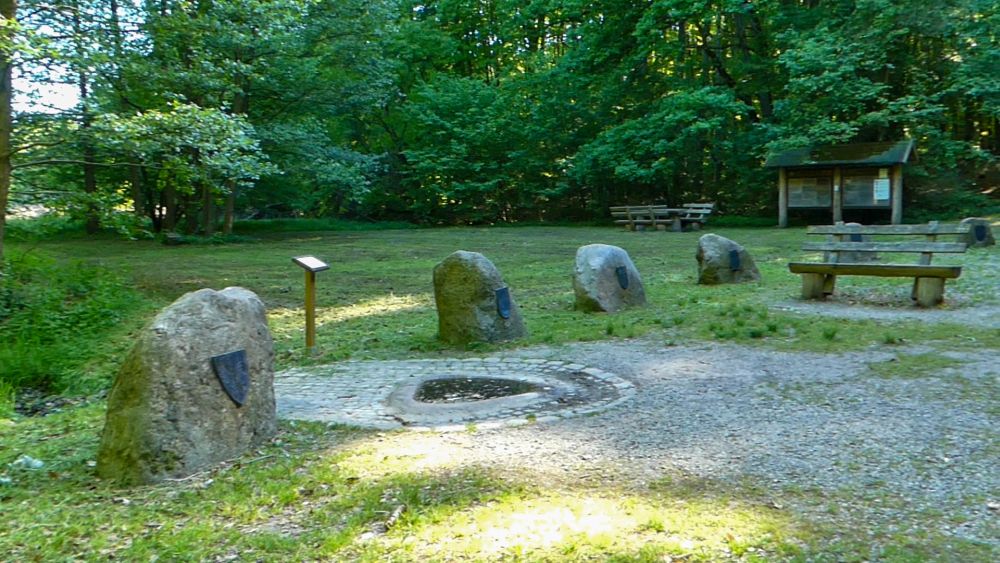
<point x="880" y="188"/>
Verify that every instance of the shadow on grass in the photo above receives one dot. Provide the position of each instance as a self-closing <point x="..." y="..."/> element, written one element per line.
<point x="331" y="493"/>
<point x="335" y="493"/>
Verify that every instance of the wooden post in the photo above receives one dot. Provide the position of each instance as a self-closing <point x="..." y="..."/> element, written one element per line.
<point x="311" y="265"/>
<point x="897" y="194"/>
<point x="310" y="310"/>
<point x="782" y="198"/>
<point x="928" y="292"/>
<point x="814" y="286"/>
<point x="838" y="196"/>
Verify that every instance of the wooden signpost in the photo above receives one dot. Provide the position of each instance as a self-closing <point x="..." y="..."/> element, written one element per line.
<point x="311" y="265"/>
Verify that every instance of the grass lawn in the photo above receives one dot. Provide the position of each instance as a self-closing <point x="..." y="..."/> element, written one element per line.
<point x="319" y="493"/>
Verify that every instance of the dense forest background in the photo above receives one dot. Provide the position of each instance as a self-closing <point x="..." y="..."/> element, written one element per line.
<point x="192" y="113"/>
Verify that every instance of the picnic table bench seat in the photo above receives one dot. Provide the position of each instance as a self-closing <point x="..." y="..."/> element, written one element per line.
<point x="819" y="278"/>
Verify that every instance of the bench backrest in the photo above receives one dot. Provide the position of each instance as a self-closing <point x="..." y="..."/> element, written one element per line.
<point x="932" y="228"/>
<point x="698" y="211"/>
<point x="639" y="211"/>
<point x="843" y="238"/>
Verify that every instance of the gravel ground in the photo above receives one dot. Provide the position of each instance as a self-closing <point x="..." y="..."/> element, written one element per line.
<point x="822" y="433"/>
<point x="840" y="307"/>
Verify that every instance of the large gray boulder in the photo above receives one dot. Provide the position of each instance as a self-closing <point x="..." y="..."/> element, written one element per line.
<point x="168" y="413"/>
<point x="472" y="301"/>
<point x="721" y="260"/>
<point x="980" y="232"/>
<point x="605" y="279"/>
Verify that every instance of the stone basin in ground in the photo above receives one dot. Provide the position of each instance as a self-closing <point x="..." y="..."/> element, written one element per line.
<point x="385" y="394"/>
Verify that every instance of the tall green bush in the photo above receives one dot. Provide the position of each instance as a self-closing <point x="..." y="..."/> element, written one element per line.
<point x="55" y="319"/>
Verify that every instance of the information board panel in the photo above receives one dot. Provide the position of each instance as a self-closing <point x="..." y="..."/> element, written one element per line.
<point x="866" y="191"/>
<point x="810" y="192"/>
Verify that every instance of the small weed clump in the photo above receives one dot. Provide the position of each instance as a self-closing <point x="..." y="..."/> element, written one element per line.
<point x="743" y="321"/>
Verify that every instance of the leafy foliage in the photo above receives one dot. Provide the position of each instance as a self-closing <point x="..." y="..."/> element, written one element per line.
<point x="490" y="111"/>
<point x="187" y="145"/>
<point x="53" y="322"/>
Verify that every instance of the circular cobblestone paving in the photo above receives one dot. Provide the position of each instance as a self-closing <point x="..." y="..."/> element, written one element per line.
<point x="384" y="394"/>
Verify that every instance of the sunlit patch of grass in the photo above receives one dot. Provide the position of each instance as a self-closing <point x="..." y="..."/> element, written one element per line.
<point x="383" y="305"/>
<point x="586" y="524"/>
<point x="565" y="522"/>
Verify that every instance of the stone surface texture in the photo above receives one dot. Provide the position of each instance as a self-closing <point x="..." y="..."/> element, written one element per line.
<point x="971" y="240"/>
<point x="465" y="285"/>
<point x="168" y="415"/>
<point x="854" y="257"/>
<point x="714" y="264"/>
<point x="596" y="283"/>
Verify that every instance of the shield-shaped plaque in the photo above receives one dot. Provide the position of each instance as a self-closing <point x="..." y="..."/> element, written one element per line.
<point x="622" y="273"/>
<point x="503" y="302"/>
<point x="979" y="231"/>
<point x="734" y="260"/>
<point x="233" y="374"/>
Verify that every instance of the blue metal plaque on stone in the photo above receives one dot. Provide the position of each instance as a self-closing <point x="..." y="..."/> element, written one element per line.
<point x="503" y="302"/>
<point x="734" y="260"/>
<point x="622" y="273"/>
<point x="233" y="374"/>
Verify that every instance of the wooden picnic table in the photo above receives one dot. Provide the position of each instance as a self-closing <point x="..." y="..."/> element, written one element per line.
<point x="661" y="216"/>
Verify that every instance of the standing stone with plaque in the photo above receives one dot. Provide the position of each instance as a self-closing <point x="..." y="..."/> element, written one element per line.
<point x="606" y="280"/>
<point x="473" y="302"/>
<point x="196" y="389"/>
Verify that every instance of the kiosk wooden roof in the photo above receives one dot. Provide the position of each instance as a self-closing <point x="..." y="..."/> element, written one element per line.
<point x="839" y="177"/>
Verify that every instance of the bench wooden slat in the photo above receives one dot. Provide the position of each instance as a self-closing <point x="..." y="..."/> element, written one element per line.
<point x="952" y="247"/>
<point x="882" y="270"/>
<point x="939" y="229"/>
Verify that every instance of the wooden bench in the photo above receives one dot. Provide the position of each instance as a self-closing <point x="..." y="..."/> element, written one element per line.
<point x="697" y="214"/>
<point x="635" y="217"/>
<point x="819" y="278"/>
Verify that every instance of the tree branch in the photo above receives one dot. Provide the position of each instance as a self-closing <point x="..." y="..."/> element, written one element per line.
<point x="33" y="145"/>
<point x="62" y="161"/>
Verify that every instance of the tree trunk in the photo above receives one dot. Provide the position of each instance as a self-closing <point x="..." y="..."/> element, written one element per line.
<point x="92" y="215"/>
<point x="207" y="209"/>
<point x="8" y="10"/>
<point x="230" y="209"/>
<point x="138" y="198"/>
<point x="169" y="199"/>
<point x="90" y="178"/>
<point x="241" y="105"/>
